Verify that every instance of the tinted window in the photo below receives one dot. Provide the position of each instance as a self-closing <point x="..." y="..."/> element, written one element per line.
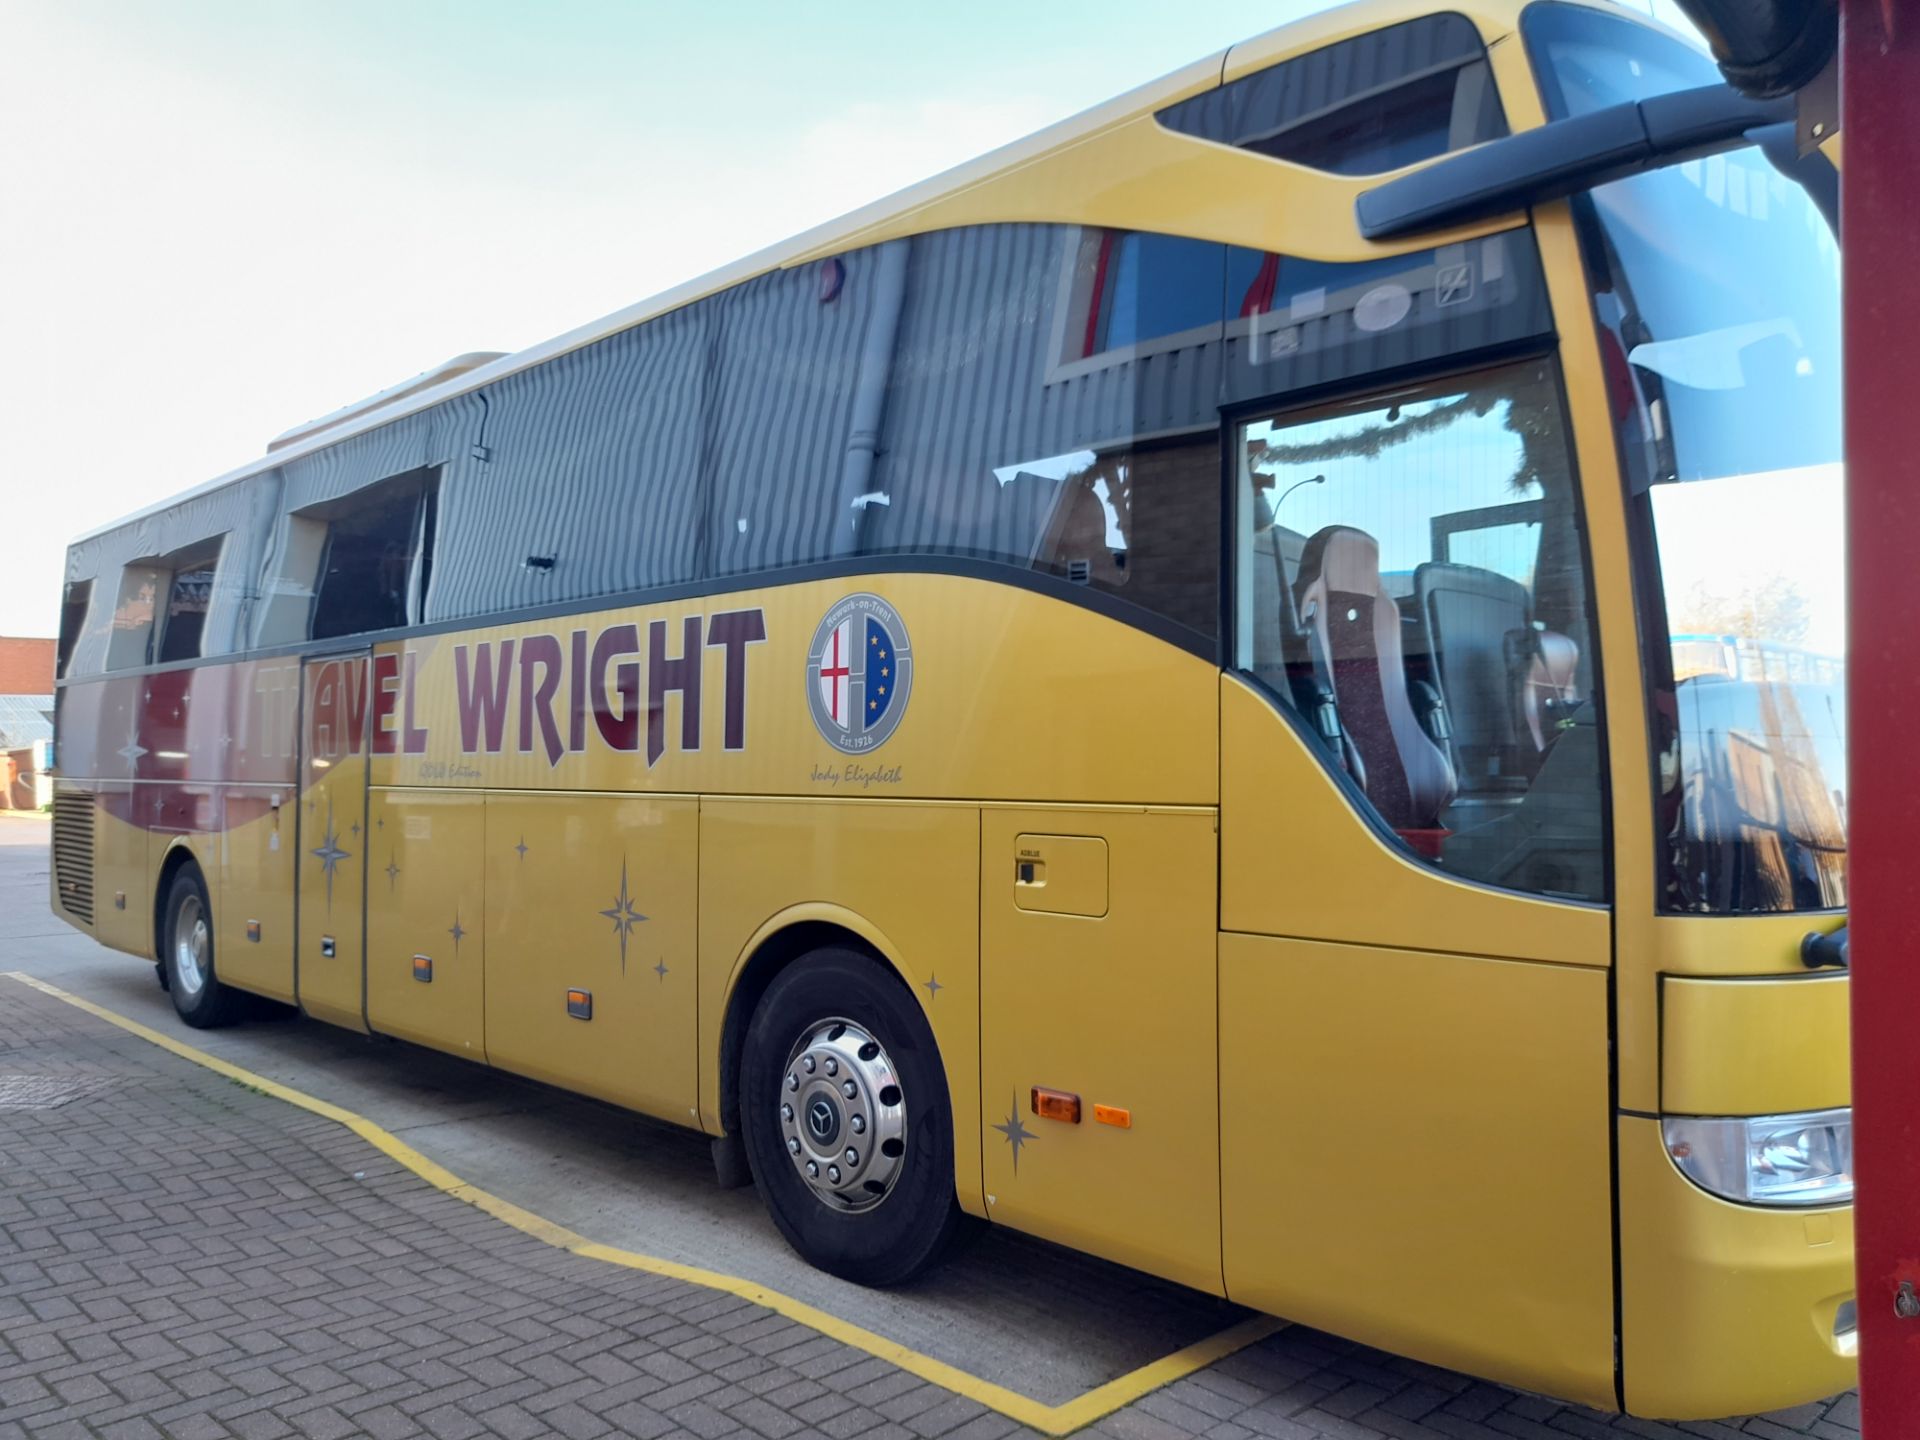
<point x="1039" y="397"/>
<point x="378" y="557"/>
<point x="130" y="635"/>
<point x="189" y="595"/>
<point x="1042" y="398"/>
<point x="800" y="386"/>
<point x="1134" y="287"/>
<point x="582" y="476"/>
<point x="1376" y="102"/>
<point x="73" y="619"/>
<point x="1308" y="323"/>
<point x="1410" y="580"/>
<point x="1006" y="438"/>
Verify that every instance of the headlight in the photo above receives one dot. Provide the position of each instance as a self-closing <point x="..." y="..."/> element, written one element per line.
<point x="1804" y="1159"/>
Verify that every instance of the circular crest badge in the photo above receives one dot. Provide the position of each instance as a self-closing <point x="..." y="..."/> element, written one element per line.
<point x="859" y="671"/>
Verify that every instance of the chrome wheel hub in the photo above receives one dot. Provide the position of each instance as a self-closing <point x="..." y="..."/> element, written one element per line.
<point x="191" y="940"/>
<point x="842" y="1116"/>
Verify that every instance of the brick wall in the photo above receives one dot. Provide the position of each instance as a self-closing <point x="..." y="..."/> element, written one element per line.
<point x="26" y="666"/>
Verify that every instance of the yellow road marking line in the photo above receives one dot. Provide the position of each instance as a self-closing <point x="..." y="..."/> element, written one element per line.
<point x="1062" y="1419"/>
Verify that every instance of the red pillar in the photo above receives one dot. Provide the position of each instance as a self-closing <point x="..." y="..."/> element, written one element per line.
<point x="1880" y="242"/>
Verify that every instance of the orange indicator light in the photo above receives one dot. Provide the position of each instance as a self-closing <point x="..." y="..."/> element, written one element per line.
<point x="1113" y="1115"/>
<point x="580" y="1004"/>
<point x="423" y="969"/>
<point x="1056" y="1105"/>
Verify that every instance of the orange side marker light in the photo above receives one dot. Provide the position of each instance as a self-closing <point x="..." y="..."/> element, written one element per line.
<point x="1113" y="1115"/>
<point x="1056" y="1105"/>
<point x="580" y="1004"/>
<point x="423" y="969"/>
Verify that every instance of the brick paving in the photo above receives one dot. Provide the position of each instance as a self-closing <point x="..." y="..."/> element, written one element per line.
<point x="182" y="1256"/>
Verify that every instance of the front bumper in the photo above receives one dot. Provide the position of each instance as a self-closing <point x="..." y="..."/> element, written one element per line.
<point x="1726" y="1309"/>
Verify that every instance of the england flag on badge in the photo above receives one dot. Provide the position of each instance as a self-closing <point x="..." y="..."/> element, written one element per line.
<point x="858" y="673"/>
<point x="835" y="675"/>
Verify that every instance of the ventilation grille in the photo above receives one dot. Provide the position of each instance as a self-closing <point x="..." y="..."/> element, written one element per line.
<point x="73" y="853"/>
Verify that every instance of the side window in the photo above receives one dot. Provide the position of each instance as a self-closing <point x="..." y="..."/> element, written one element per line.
<point x="376" y="558"/>
<point x="1374" y="103"/>
<point x="1044" y="398"/>
<point x="1295" y="323"/>
<point x="1052" y="404"/>
<point x="1410" y="579"/>
<point x="1129" y="289"/>
<point x="580" y="477"/>
<point x="189" y="593"/>
<point x="73" y="620"/>
<point x="130" y="638"/>
<point x="799" y="396"/>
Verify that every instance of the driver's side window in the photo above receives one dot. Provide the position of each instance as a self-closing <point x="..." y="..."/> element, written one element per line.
<point x="1411" y="582"/>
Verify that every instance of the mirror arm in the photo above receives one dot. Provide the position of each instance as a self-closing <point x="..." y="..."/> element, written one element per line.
<point x="1553" y="161"/>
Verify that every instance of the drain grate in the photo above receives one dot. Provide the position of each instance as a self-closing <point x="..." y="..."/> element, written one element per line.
<point x="50" y="1092"/>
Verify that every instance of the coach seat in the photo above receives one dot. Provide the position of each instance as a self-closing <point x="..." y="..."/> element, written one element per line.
<point x="1353" y="627"/>
<point x="1507" y="683"/>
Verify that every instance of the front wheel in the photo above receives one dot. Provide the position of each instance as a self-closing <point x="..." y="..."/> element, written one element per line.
<point x="186" y="956"/>
<point x="848" y="1125"/>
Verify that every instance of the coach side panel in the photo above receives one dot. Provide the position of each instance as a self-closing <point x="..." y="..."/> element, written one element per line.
<point x="191" y="762"/>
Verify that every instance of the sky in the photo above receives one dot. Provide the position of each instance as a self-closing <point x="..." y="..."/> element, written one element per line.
<point x="220" y="218"/>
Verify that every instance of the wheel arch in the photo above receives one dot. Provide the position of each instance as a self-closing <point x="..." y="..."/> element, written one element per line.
<point x="180" y="854"/>
<point x="779" y="942"/>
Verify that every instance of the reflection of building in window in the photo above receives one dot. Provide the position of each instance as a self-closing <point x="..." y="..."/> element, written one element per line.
<point x="1131" y="288"/>
<point x="1375" y="102"/>
<point x="1741" y="657"/>
<point x="189" y="598"/>
<point x="378" y="556"/>
<point x="1762" y="813"/>
<point x="1773" y="796"/>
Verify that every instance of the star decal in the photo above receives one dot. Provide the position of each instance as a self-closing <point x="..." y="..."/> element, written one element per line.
<point x="131" y="752"/>
<point x="932" y="986"/>
<point x="330" y="853"/>
<point x="623" y="915"/>
<point x="354" y="828"/>
<point x="1016" y="1131"/>
<point x="456" y="932"/>
<point x="521" y="848"/>
<point x="660" y="969"/>
<point x="393" y="872"/>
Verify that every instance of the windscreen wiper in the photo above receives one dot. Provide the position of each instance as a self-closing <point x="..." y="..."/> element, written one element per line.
<point x="1564" y="157"/>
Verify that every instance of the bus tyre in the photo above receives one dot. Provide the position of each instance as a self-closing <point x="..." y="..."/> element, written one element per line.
<point x="849" y="1129"/>
<point x="186" y="955"/>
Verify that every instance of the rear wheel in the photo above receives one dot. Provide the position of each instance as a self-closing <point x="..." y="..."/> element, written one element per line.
<point x="186" y="956"/>
<point x="848" y="1124"/>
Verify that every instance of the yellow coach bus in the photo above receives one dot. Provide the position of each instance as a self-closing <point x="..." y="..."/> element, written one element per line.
<point x="1127" y="692"/>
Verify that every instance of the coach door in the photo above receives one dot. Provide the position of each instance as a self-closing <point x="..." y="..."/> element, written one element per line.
<point x="330" y="958"/>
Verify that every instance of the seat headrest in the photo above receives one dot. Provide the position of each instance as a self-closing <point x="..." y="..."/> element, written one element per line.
<point x="1341" y="558"/>
<point x="1435" y="578"/>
